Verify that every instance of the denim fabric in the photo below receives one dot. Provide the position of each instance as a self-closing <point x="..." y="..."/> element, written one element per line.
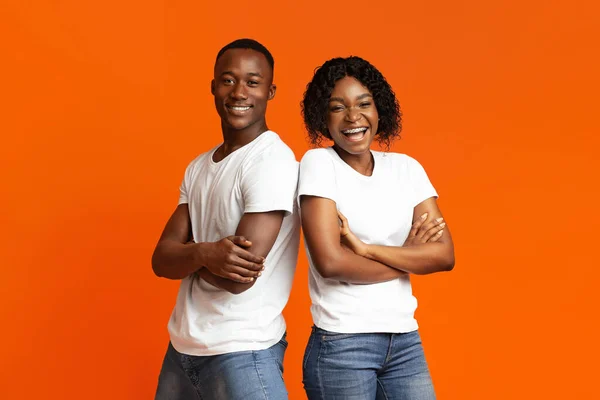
<point x="365" y="366"/>
<point x="244" y="375"/>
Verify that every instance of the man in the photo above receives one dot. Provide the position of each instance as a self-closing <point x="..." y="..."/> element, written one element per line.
<point x="233" y="240"/>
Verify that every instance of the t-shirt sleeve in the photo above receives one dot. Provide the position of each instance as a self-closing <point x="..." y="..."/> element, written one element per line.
<point x="185" y="184"/>
<point x="270" y="183"/>
<point x="421" y="186"/>
<point x="317" y="175"/>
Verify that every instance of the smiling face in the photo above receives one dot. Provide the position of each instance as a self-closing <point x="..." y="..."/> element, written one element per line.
<point x="242" y="86"/>
<point x="352" y="118"/>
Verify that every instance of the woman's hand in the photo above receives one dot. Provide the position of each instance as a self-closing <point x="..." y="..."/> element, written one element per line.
<point x="349" y="239"/>
<point x="422" y="232"/>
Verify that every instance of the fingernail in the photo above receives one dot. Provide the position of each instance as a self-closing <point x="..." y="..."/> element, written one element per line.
<point x="260" y="273"/>
<point x="440" y="232"/>
<point x="442" y="225"/>
<point x="424" y="216"/>
<point x="440" y="219"/>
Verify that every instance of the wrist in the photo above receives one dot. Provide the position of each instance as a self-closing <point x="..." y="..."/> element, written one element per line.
<point x="199" y="254"/>
<point x="369" y="249"/>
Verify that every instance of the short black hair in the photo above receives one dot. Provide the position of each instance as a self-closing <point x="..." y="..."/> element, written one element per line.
<point x="314" y="105"/>
<point x="248" y="44"/>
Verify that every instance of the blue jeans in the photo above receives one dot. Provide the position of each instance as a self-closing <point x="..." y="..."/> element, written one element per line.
<point x="247" y="375"/>
<point x="365" y="366"/>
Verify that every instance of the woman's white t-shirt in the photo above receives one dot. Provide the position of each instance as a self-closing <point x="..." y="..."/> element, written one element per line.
<point x="379" y="209"/>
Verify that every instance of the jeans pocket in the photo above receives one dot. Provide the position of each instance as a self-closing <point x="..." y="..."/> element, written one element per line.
<point x="191" y="369"/>
<point x="309" y="346"/>
<point x="284" y="341"/>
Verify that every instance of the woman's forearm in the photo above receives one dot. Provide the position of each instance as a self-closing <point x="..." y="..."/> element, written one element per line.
<point x="345" y="266"/>
<point x="420" y="259"/>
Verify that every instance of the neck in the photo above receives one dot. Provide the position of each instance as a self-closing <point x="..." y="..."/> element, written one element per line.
<point x="233" y="139"/>
<point x="362" y="163"/>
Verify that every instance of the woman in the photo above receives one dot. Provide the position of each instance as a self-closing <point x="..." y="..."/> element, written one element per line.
<point x="365" y="343"/>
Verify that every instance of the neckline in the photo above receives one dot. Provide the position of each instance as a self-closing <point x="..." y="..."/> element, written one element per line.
<point x="238" y="151"/>
<point x="336" y="156"/>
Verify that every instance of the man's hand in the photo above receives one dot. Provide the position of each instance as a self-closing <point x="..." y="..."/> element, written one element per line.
<point x="422" y="232"/>
<point x="349" y="239"/>
<point x="230" y="259"/>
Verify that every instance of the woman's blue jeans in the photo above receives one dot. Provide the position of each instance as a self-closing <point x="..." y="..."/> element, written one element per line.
<point x="366" y="366"/>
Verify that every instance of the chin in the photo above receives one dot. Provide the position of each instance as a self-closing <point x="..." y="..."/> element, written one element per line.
<point x="239" y="125"/>
<point x="356" y="149"/>
<point x="360" y="150"/>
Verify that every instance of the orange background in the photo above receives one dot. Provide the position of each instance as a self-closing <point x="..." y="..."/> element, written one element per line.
<point x="105" y="103"/>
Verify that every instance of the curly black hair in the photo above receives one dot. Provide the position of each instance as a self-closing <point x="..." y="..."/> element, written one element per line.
<point x="314" y="105"/>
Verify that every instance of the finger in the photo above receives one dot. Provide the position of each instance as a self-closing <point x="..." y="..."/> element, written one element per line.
<point x="243" y="272"/>
<point x="425" y="228"/>
<point x="247" y="256"/>
<point x="416" y="225"/>
<point x="240" y="279"/>
<point x="344" y="229"/>
<point x="342" y="219"/>
<point x="344" y="223"/>
<point x="432" y="232"/>
<point x="426" y="231"/>
<point x="241" y="262"/>
<point x="436" y="237"/>
<point x="240" y="241"/>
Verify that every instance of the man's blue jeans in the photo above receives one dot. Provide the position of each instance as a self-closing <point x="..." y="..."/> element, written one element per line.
<point x="244" y="375"/>
<point x="366" y="366"/>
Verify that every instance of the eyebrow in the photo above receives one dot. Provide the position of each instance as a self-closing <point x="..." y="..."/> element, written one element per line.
<point x="257" y="74"/>
<point x="362" y="96"/>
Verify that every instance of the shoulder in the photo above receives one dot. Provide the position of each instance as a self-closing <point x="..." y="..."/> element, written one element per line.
<point x="269" y="159"/>
<point x="398" y="158"/>
<point x="398" y="161"/>
<point x="199" y="160"/>
<point x="316" y="156"/>
<point x="272" y="148"/>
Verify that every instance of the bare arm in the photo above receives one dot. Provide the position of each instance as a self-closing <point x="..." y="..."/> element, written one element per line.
<point x="419" y="258"/>
<point x="262" y="230"/>
<point x="174" y="259"/>
<point x="331" y="259"/>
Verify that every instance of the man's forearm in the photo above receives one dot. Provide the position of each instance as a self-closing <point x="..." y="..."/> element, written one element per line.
<point x="174" y="260"/>
<point x="222" y="283"/>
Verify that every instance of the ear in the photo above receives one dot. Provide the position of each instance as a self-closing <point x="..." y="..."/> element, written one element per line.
<point x="272" y="90"/>
<point x="212" y="87"/>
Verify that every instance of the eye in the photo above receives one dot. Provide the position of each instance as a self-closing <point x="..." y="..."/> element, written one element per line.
<point x="228" y="81"/>
<point x="336" y="108"/>
<point x="365" y="104"/>
<point x="252" y="83"/>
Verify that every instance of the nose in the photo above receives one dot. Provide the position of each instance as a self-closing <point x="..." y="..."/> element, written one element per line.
<point x="239" y="92"/>
<point x="353" y="115"/>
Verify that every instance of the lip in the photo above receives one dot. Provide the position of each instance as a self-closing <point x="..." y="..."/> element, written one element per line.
<point x="355" y="138"/>
<point x="354" y="128"/>
<point x="238" y="109"/>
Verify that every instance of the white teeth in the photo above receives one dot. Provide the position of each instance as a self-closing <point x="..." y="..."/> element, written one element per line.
<point x="240" y="108"/>
<point x="355" y="130"/>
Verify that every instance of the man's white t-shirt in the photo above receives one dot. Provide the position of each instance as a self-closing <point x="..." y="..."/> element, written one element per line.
<point x="259" y="177"/>
<point x="379" y="209"/>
